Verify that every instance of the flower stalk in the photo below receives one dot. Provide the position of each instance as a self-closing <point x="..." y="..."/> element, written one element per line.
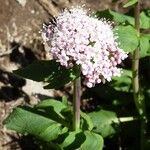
<point x="138" y="99"/>
<point x="76" y="103"/>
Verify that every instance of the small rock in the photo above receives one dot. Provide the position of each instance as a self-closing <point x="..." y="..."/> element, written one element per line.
<point x="22" y="2"/>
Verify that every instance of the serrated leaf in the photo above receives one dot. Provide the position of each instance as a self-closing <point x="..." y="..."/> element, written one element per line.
<point x="50" y="72"/>
<point x="144" y="46"/>
<point x="104" y="122"/>
<point x="127" y="37"/>
<point x="27" y="120"/>
<point x="130" y="3"/>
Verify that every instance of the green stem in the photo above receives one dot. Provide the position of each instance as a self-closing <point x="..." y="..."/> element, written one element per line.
<point x="139" y="101"/>
<point x="135" y="62"/>
<point x="76" y="103"/>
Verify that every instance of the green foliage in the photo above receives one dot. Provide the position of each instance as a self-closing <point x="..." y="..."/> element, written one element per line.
<point x="47" y="122"/>
<point x="27" y="120"/>
<point x="122" y="19"/>
<point x="83" y="140"/>
<point x="104" y="122"/>
<point x="87" y="122"/>
<point x="127" y="37"/>
<point x="144" y="45"/>
<point x="115" y="16"/>
<point x="144" y="20"/>
<point x="50" y="72"/>
<point x="93" y="141"/>
<point x="123" y="83"/>
<point x="130" y="3"/>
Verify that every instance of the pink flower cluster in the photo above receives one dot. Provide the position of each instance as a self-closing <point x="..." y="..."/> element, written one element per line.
<point x="76" y="38"/>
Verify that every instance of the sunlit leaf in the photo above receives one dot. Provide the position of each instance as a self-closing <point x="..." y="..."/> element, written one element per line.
<point x="144" y="20"/>
<point x="87" y="123"/>
<point x="144" y="45"/>
<point x="104" y="122"/>
<point x="27" y="120"/>
<point x="130" y="3"/>
<point x="127" y="37"/>
<point x="82" y="140"/>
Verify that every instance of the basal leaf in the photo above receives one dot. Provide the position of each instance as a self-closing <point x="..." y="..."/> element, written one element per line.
<point x="73" y="140"/>
<point x="82" y="140"/>
<point x="127" y="37"/>
<point x="104" y="122"/>
<point x="27" y="120"/>
<point x="93" y="141"/>
<point x="57" y="105"/>
<point x="87" y="123"/>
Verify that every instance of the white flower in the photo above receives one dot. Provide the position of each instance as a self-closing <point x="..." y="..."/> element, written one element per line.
<point x="79" y="39"/>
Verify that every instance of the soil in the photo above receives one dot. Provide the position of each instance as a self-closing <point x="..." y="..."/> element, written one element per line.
<point x="20" y="45"/>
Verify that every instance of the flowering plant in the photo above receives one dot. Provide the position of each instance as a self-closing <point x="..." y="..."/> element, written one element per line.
<point x="81" y="46"/>
<point x="79" y="39"/>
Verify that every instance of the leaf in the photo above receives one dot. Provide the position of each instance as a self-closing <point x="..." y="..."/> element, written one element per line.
<point x="121" y="18"/>
<point x="124" y="82"/>
<point x="54" y="108"/>
<point x="93" y="141"/>
<point x="115" y="16"/>
<point x="50" y="72"/>
<point x="144" y="45"/>
<point x="57" y="105"/>
<point x="104" y="122"/>
<point x="130" y="3"/>
<point x="83" y="141"/>
<point x="62" y="76"/>
<point x="127" y="37"/>
<point x="27" y="120"/>
<point x="64" y="100"/>
<point x="144" y="20"/>
<point x="73" y="140"/>
<point x="38" y="70"/>
<point x="87" y="122"/>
